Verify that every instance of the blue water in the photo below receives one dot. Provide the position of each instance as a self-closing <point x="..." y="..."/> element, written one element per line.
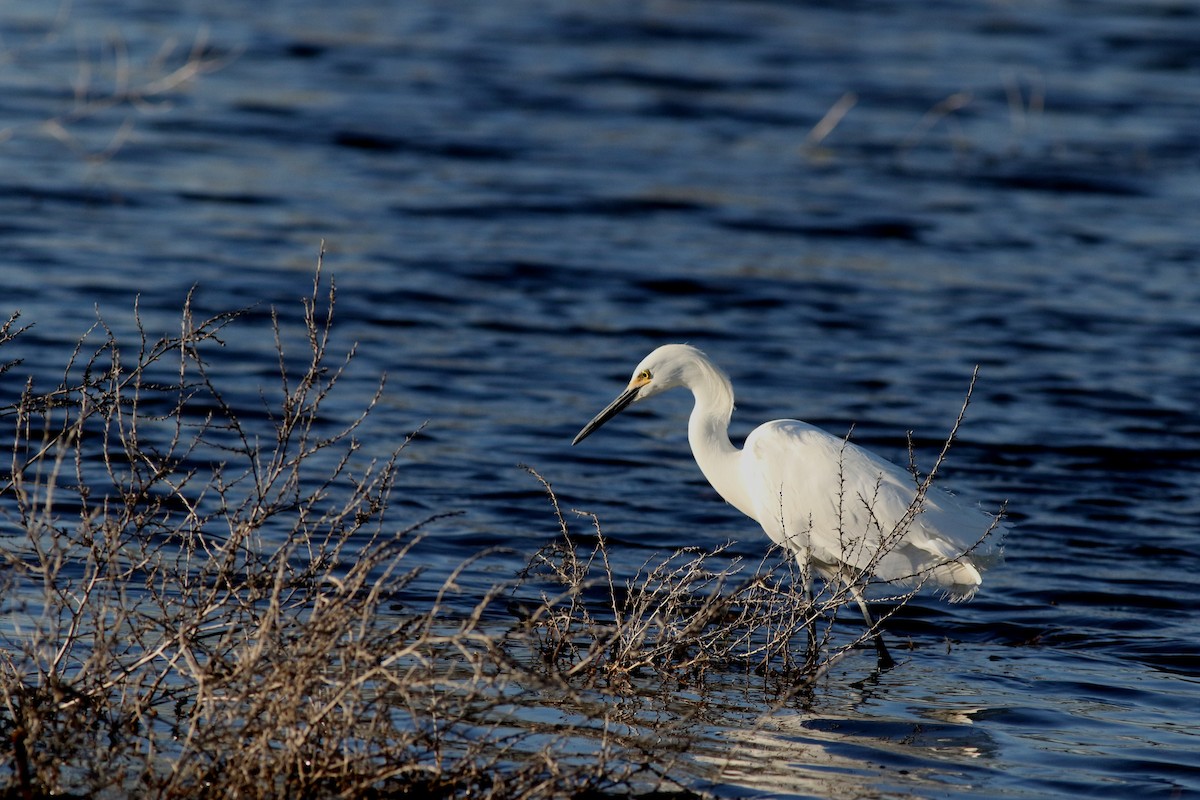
<point x="519" y="200"/>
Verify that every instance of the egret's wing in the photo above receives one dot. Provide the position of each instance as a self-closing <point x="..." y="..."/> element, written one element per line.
<point x="856" y="512"/>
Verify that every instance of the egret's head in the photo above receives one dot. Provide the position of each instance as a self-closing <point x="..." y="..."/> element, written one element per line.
<point x="665" y="368"/>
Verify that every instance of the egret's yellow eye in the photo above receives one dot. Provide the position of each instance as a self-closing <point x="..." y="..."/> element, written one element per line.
<point x="644" y="375"/>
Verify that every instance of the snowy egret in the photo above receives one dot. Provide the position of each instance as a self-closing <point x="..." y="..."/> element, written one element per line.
<point x="842" y="510"/>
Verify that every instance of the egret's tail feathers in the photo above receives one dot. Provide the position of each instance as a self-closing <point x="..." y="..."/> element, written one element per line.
<point x="959" y="580"/>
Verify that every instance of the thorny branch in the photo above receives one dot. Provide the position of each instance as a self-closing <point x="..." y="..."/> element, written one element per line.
<point x="198" y="596"/>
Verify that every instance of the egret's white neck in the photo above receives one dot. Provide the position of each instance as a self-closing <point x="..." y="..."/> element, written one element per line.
<point x="708" y="433"/>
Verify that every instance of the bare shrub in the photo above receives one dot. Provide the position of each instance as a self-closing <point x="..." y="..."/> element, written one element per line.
<point x="197" y="598"/>
<point x="680" y="617"/>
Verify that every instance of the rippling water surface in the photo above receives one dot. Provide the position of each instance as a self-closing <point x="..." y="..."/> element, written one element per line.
<point x="520" y="200"/>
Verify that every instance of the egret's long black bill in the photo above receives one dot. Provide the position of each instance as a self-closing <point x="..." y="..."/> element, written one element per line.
<point x="611" y="410"/>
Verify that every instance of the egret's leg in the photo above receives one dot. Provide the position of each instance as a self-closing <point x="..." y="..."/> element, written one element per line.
<point x="885" y="658"/>
<point x="812" y="655"/>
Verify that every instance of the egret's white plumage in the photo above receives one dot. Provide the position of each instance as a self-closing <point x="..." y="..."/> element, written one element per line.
<point x="841" y="509"/>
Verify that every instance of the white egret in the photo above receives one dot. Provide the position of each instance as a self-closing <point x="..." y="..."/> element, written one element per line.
<point x="842" y="510"/>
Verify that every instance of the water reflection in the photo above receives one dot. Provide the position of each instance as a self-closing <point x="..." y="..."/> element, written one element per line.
<point x="813" y="755"/>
